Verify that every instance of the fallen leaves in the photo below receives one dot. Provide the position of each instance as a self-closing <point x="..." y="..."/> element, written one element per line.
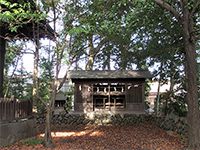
<point x="137" y="137"/>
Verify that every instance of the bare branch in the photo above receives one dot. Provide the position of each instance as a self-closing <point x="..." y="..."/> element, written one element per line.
<point x="24" y="52"/>
<point x="65" y="77"/>
<point x="102" y="42"/>
<point x="168" y="7"/>
<point x="9" y="81"/>
<point x="63" y="81"/>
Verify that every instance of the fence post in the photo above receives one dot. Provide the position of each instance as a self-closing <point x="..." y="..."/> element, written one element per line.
<point x="11" y="109"/>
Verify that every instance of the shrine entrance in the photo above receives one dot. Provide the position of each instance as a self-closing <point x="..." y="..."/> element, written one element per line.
<point x="119" y="91"/>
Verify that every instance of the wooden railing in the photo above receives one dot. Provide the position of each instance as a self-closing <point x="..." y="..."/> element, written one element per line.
<point x="13" y="109"/>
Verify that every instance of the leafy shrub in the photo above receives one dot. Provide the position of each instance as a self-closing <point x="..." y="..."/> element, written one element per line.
<point x="32" y="141"/>
<point x="173" y="103"/>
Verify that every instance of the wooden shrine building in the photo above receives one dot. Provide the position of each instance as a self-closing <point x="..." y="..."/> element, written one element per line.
<point x="117" y="91"/>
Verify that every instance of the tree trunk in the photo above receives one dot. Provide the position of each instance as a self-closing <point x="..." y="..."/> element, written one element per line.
<point x="36" y="62"/>
<point x="158" y="91"/>
<point x="187" y="23"/>
<point x="158" y="97"/>
<point x="48" y="137"/>
<point x="124" y="57"/>
<point x="170" y="93"/>
<point x="90" y="63"/>
<point x="106" y="63"/>
<point x="2" y="59"/>
<point x="191" y="82"/>
<point x="192" y="98"/>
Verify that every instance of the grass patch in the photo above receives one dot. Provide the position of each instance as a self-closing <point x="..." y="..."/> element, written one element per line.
<point x="32" y="141"/>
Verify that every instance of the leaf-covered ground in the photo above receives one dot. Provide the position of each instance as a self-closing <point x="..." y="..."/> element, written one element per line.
<point x="137" y="137"/>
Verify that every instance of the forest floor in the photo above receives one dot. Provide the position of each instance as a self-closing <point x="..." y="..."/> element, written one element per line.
<point x="143" y="136"/>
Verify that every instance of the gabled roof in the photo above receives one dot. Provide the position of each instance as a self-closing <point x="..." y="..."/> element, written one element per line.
<point x="109" y="74"/>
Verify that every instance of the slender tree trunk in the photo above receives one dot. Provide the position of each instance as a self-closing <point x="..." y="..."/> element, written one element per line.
<point x="158" y="91"/>
<point x="36" y="62"/>
<point x="158" y="97"/>
<point x="191" y="82"/>
<point x="2" y="59"/>
<point x="90" y="63"/>
<point x="169" y="95"/>
<point x="171" y="87"/>
<point x="93" y="51"/>
<point x="106" y="64"/>
<point x="48" y="137"/>
<point x="124" y="57"/>
<point x="108" y="61"/>
<point x="9" y="82"/>
<point x="50" y="107"/>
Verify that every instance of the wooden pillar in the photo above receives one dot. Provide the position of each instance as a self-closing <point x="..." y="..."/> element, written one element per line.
<point x="2" y="59"/>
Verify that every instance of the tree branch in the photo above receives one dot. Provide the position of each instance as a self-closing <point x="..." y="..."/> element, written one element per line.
<point x="65" y="76"/>
<point x="195" y="7"/>
<point x="101" y="43"/>
<point x="40" y="99"/>
<point x="168" y="7"/>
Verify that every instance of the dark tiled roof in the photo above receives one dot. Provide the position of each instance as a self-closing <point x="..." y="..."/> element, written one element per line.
<point x="111" y="74"/>
<point x="26" y="32"/>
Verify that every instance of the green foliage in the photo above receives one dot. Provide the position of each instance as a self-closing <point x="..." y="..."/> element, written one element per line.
<point x="45" y="82"/>
<point x="68" y="105"/>
<point x="19" y="88"/>
<point x="173" y="103"/>
<point x="109" y="20"/>
<point x="15" y="14"/>
<point x="17" y="82"/>
<point x="32" y="141"/>
<point x="13" y="54"/>
<point x="132" y="37"/>
<point x="138" y="33"/>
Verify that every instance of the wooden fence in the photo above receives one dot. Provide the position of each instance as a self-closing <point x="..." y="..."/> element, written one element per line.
<point x="13" y="109"/>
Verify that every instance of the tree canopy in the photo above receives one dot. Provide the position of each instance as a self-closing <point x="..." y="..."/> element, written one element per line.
<point x="121" y="34"/>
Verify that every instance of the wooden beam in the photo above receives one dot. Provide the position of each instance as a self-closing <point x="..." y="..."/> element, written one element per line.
<point x="2" y="59"/>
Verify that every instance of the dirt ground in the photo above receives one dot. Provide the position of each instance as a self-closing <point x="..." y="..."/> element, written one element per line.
<point x="137" y="137"/>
